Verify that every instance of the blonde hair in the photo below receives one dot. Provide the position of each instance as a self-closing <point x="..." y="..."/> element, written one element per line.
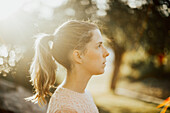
<point x="71" y="35"/>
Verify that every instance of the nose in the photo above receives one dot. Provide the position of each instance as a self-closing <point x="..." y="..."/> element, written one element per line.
<point x="106" y="53"/>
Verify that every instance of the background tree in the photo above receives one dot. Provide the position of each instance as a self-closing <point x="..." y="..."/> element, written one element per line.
<point x="128" y="24"/>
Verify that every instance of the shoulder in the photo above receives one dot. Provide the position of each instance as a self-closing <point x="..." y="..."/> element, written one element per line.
<point x="61" y="103"/>
<point x="65" y="110"/>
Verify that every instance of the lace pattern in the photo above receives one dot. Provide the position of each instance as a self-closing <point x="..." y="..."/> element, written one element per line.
<point x="67" y="101"/>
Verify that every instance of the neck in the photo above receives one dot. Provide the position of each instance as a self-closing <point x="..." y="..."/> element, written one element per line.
<point x="76" y="80"/>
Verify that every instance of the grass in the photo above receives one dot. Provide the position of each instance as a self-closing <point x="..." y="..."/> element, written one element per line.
<point x="108" y="102"/>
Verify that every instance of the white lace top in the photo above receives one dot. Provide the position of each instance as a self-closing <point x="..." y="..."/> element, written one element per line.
<point x="67" y="101"/>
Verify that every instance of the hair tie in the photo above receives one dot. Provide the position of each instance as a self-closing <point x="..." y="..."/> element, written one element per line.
<point x="51" y="41"/>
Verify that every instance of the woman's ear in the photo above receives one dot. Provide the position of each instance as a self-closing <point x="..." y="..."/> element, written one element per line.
<point x="77" y="56"/>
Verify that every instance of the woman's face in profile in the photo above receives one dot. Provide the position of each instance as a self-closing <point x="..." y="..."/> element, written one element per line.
<point x="95" y="57"/>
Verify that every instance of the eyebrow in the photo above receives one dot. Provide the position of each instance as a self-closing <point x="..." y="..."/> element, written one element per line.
<point x="99" y="43"/>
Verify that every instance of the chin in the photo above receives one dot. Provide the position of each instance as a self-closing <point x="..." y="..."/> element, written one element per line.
<point x="99" y="73"/>
<point x="102" y="72"/>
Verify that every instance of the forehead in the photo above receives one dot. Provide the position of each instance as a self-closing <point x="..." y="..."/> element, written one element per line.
<point x="97" y="37"/>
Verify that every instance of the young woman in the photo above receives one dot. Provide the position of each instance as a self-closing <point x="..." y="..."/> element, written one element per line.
<point x="78" y="46"/>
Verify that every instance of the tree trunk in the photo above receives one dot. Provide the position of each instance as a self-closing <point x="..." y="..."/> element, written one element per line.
<point x="117" y="62"/>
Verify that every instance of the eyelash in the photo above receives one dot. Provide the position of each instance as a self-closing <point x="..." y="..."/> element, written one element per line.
<point x="100" y="45"/>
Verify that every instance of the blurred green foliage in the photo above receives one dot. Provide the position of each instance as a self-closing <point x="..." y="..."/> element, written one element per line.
<point x="128" y="25"/>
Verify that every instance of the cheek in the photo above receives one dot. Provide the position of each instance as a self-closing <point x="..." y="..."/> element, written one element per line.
<point x="93" y="62"/>
<point x="93" y="56"/>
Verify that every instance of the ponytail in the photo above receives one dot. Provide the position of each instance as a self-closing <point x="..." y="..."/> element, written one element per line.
<point x="42" y="70"/>
<point x="69" y="36"/>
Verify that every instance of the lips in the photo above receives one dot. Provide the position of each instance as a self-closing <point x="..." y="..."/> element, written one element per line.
<point x="104" y="64"/>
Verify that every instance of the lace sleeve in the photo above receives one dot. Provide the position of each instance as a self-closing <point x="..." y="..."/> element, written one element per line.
<point x="65" y="110"/>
